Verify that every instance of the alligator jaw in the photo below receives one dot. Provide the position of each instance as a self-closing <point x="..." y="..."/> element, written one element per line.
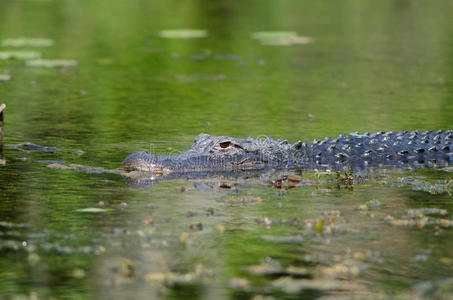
<point x="143" y="161"/>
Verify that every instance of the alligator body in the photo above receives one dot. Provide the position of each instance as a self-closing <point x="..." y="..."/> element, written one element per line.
<point x="354" y="151"/>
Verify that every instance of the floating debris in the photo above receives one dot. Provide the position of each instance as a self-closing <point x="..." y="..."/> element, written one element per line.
<point x="346" y="269"/>
<point x="184" y="239"/>
<point x="27" y="42"/>
<point x="239" y="283"/>
<point x="183" y="33"/>
<point x="127" y="268"/>
<point x="196" y="227"/>
<point x="426" y="211"/>
<point x="242" y="200"/>
<point x="295" y="286"/>
<point x="370" y="204"/>
<point x="51" y="63"/>
<point x="172" y="278"/>
<point x="273" y="267"/>
<point x="331" y="213"/>
<point x="273" y="35"/>
<point x="266" y="268"/>
<point x="281" y="38"/>
<point x="263" y="220"/>
<point x="330" y="225"/>
<point x="21" y="55"/>
<point x="5" y="77"/>
<point x="220" y="228"/>
<point x="416" y="217"/>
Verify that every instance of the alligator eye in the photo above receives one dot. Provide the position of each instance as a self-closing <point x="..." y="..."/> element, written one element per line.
<point x="225" y="144"/>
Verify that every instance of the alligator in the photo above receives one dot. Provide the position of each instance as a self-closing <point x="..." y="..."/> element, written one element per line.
<point x="354" y="151"/>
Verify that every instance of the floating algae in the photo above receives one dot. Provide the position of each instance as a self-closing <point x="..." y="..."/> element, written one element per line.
<point x="281" y="38"/>
<point x="183" y="33"/>
<point x="27" y="42"/>
<point x="4" y="77"/>
<point x="51" y="63"/>
<point x="22" y="55"/>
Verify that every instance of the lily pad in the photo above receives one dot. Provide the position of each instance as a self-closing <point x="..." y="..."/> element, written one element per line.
<point x="281" y="38"/>
<point x="297" y="40"/>
<point x="92" y="210"/>
<point x="19" y="55"/>
<point x="183" y="33"/>
<point x="51" y="63"/>
<point x="27" y="42"/>
<point x="4" y="77"/>
<point x="273" y="35"/>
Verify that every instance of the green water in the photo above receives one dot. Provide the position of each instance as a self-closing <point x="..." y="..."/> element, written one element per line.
<point x="371" y="66"/>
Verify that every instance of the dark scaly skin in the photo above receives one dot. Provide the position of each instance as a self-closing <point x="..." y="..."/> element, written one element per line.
<point x="354" y="151"/>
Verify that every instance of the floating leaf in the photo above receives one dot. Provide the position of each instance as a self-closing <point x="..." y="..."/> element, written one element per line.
<point x="51" y="63"/>
<point x="27" y="42"/>
<point x="273" y="35"/>
<point x="92" y="210"/>
<point x="19" y="55"/>
<point x="281" y="38"/>
<point x="4" y="77"/>
<point x="298" y="40"/>
<point x="183" y="33"/>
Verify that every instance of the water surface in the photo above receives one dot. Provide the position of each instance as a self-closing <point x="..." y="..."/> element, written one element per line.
<point x="369" y="67"/>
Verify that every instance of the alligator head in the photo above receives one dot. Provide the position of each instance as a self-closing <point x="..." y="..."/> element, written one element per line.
<point x="215" y="153"/>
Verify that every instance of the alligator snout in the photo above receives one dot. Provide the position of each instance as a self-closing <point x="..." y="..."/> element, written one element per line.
<point x="142" y="161"/>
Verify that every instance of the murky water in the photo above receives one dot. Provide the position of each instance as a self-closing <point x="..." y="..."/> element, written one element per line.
<point x="290" y="69"/>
